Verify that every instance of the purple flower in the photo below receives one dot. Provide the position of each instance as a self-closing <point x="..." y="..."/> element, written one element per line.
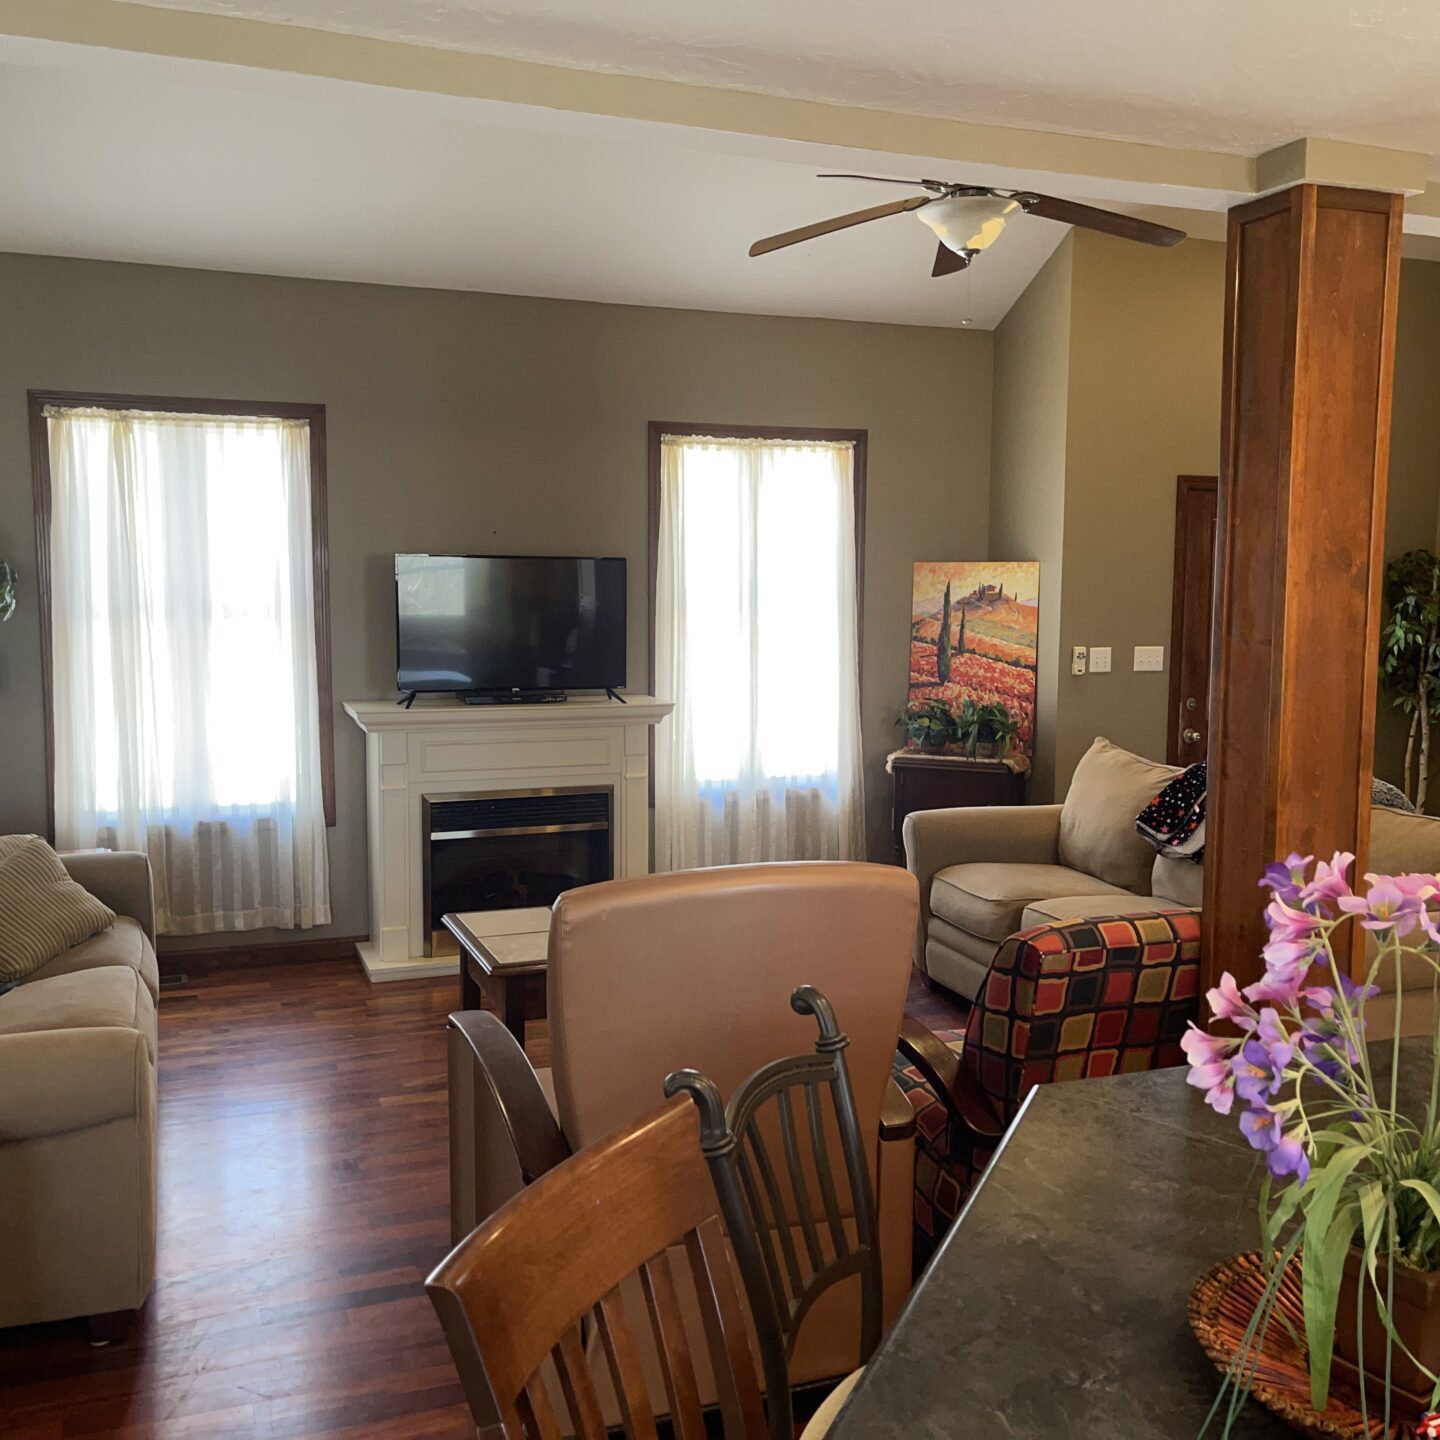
<point x="1385" y="906"/>
<point x="1289" y="1158"/>
<point x="1261" y="1127"/>
<point x="1227" y="1003"/>
<point x="1284" y="1154"/>
<point x="1209" y="1057"/>
<point x="1284" y="879"/>
<point x="1259" y="1071"/>
<point x="1321" y="998"/>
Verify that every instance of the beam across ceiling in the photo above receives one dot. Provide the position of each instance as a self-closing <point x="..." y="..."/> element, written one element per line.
<point x="742" y="122"/>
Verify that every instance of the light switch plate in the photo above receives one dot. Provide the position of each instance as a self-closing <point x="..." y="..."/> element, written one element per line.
<point x="1077" y="660"/>
<point x="1149" y="657"/>
<point x="1099" y="659"/>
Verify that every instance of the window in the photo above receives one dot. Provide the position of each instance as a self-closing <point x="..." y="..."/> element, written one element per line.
<point x="187" y="648"/>
<point x="756" y="539"/>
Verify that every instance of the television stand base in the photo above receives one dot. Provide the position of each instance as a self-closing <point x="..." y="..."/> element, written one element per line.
<point x="513" y="697"/>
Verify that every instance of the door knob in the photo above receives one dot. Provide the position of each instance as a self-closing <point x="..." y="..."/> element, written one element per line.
<point x="1191" y="737"/>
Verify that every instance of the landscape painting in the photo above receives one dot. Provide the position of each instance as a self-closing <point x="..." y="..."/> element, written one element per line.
<point x="972" y="637"/>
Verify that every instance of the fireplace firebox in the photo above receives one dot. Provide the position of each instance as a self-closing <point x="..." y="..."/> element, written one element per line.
<point x="507" y="850"/>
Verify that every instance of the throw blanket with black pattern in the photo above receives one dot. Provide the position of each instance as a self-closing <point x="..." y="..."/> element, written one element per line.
<point x="1174" y="821"/>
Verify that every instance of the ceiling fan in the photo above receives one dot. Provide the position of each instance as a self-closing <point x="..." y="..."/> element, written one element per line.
<point x="969" y="218"/>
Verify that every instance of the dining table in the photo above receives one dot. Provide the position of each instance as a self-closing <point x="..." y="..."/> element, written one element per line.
<point x="1057" y="1304"/>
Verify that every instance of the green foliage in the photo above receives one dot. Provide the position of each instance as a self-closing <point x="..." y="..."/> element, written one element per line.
<point x="984" y="725"/>
<point x="8" y="590"/>
<point x="942" y="648"/>
<point x="928" y="723"/>
<point x="1410" y="639"/>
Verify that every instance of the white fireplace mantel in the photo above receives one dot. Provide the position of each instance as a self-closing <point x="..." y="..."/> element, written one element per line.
<point x="443" y="746"/>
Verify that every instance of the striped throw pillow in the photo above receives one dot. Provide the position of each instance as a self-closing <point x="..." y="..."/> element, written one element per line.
<point x="42" y="910"/>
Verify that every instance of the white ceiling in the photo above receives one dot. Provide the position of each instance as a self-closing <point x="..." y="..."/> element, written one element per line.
<point x="135" y="157"/>
<point x="1232" y="75"/>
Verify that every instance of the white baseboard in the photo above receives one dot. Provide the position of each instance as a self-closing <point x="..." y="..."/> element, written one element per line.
<point x="415" y="967"/>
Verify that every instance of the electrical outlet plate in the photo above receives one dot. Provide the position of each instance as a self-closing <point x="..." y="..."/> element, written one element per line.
<point x="1149" y="657"/>
<point x="1077" y="660"/>
<point x="1099" y="659"/>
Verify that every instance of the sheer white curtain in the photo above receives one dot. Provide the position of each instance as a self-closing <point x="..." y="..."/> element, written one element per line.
<point x="755" y="641"/>
<point x="185" y="687"/>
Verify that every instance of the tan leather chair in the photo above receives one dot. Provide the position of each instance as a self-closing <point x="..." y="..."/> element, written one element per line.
<point x="656" y="973"/>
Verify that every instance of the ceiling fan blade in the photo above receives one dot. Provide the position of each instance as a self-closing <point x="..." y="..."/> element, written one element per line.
<point x="883" y="179"/>
<point x="948" y="261"/>
<point x="1072" y="212"/>
<point x="840" y="222"/>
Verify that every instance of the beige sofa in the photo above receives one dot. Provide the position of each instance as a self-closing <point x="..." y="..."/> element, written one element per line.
<point x="987" y="872"/>
<point x="77" y="1116"/>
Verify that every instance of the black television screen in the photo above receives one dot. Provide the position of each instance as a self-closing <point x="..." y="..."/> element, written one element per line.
<point x="509" y="622"/>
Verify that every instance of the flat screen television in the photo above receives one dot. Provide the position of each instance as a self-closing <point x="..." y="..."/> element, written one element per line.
<point x="491" y="624"/>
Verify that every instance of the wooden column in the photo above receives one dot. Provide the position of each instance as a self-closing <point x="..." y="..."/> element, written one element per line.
<point x="1312" y="278"/>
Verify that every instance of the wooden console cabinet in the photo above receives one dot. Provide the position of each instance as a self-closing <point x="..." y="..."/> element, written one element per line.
<point x="940" y="782"/>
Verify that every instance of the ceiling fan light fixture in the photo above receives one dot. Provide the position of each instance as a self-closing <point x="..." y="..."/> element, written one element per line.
<point x="968" y="222"/>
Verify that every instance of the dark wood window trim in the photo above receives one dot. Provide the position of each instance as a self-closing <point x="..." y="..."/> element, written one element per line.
<point x="860" y="439"/>
<point x="319" y="538"/>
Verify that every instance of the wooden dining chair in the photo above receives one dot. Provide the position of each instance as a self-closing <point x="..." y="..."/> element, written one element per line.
<point x="525" y="1286"/>
<point x="795" y="1193"/>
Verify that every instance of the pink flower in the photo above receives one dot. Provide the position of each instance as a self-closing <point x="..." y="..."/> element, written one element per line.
<point x="1227" y="1003"/>
<point x="1288" y="923"/>
<point x="1329" y="882"/>
<point x="1422" y="887"/>
<point x="1209" y="1057"/>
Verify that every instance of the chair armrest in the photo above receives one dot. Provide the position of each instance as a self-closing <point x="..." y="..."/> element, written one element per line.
<point x="994" y="834"/>
<point x="119" y="878"/>
<point x="951" y="1081"/>
<point x="519" y="1099"/>
<point x="503" y="1135"/>
<point x="998" y="834"/>
<point x="897" y="1115"/>
<point x="56" y="1081"/>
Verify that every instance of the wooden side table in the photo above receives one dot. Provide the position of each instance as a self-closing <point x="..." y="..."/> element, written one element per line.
<point x="939" y="782"/>
<point x="503" y="958"/>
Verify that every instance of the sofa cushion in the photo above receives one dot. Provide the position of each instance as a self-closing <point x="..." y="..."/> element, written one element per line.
<point x="42" y="910"/>
<point x="1091" y="907"/>
<point x="1182" y="881"/>
<point x="1097" y="822"/>
<point x="1403" y="843"/>
<point x="124" y="943"/>
<point x="111" y="998"/>
<point x="989" y="899"/>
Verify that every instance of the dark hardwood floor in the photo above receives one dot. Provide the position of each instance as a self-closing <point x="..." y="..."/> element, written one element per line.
<point x="303" y="1199"/>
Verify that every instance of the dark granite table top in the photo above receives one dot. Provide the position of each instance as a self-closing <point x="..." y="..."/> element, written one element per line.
<point x="1057" y="1305"/>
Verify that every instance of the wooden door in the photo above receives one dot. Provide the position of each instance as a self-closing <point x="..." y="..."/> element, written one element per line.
<point x="1194" y="593"/>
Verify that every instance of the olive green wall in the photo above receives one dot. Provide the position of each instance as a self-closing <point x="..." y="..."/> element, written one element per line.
<point x="1027" y="485"/>
<point x="1146" y="340"/>
<point x="1141" y="371"/>
<point x="1413" y="509"/>
<point x="489" y="422"/>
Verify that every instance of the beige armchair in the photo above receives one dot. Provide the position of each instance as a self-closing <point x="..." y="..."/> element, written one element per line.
<point x="657" y="973"/>
<point x="987" y="872"/>
<point x="77" y="1117"/>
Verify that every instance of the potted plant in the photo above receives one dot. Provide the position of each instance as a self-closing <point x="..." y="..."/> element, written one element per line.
<point x="1352" y="1189"/>
<point x="8" y="585"/>
<point x="984" y="730"/>
<point x="928" y="724"/>
<point x="1410" y="658"/>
